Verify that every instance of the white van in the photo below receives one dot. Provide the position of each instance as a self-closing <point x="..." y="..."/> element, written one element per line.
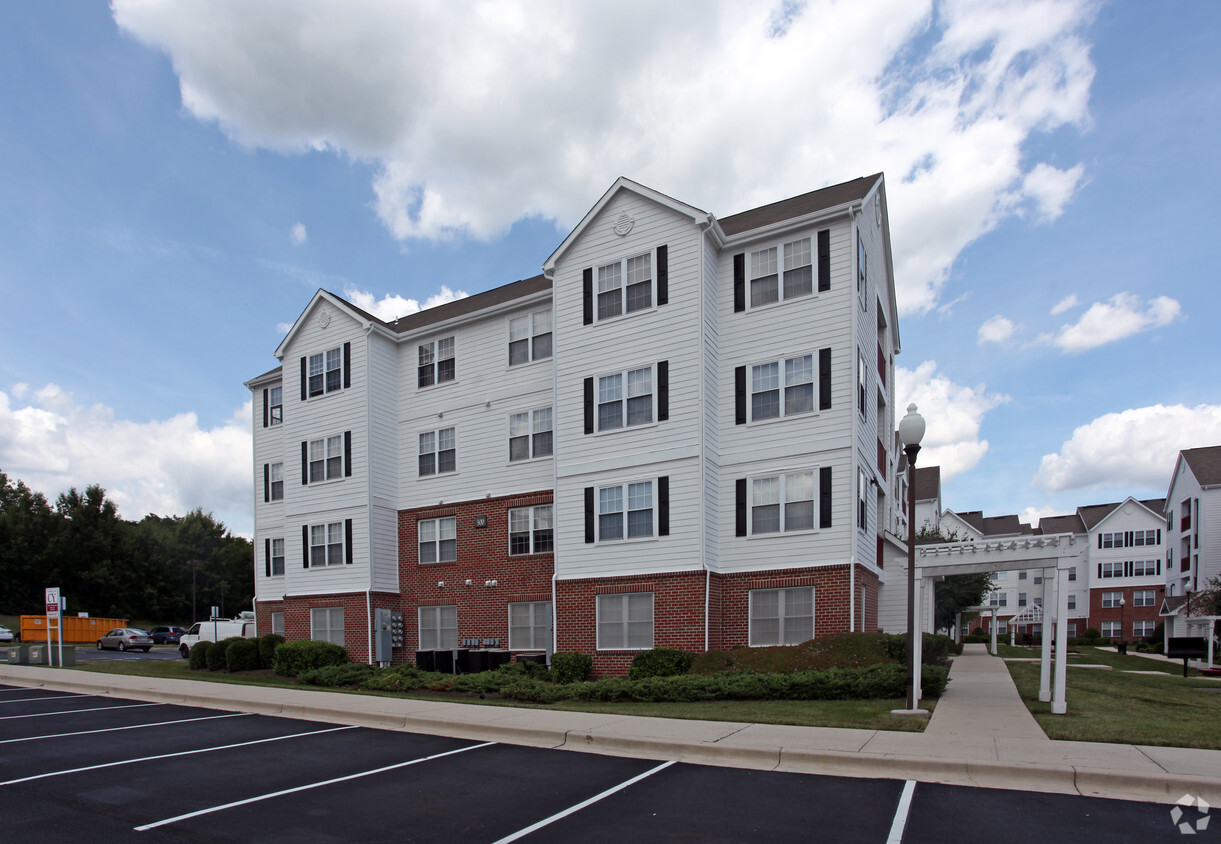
<point x="213" y="630"/>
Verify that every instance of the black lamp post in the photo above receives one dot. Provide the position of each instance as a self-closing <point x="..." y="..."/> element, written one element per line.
<point x="1122" y="649"/>
<point x="911" y="431"/>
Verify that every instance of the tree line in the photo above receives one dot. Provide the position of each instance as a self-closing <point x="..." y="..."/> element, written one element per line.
<point x="113" y="568"/>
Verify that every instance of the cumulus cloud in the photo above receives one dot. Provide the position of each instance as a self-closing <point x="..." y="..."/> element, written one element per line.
<point x="1136" y="447"/>
<point x="1032" y="515"/>
<point x="297" y="234"/>
<point x="167" y="466"/>
<point x="1066" y="304"/>
<point x="1122" y="316"/>
<point x="953" y="414"/>
<point x="393" y="306"/>
<point x="998" y="329"/>
<point x="476" y="114"/>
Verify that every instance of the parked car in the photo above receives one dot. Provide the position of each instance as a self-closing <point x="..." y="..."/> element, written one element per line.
<point x="7" y="635"/>
<point x="213" y="630"/>
<point x="168" y="635"/>
<point x="126" y="637"/>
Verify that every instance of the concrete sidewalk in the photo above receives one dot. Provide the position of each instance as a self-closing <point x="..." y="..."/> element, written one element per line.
<point x="981" y="734"/>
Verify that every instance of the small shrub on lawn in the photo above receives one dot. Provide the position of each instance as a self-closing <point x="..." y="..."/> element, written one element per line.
<point x="198" y="655"/>
<point x="242" y="655"/>
<point x="571" y="668"/>
<point x="216" y="656"/>
<point x="267" y="648"/>
<point x="660" y="662"/>
<point x="333" y="676"/>
<point x="293" y="658"/>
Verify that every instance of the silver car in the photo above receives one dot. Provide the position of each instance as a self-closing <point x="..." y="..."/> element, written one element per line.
<point x="126" y="637"/>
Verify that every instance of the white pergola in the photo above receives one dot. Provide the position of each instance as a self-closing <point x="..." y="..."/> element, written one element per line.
<point x="1056" y="552"/>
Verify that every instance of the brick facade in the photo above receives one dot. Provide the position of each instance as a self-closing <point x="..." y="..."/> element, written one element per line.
<point x="357" y="607"/>
<point x="1129" y="613"/>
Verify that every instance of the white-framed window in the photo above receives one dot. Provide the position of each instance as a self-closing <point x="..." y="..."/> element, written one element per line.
<point x="436" y="362"/>
<point x="766" y="267"/>
<point x="1072" y="574"/>
<point x="1144" y="597"/>
<point x="326" y="545"/>
<point x="1021" y="599"/>
<point x="530" y="337"/>
<point x="1111" y="629"/>
<point x="1110" y="600"/>
<point x="277" y="556"/>
<point x="1143" y="628"/>
<point x="772" y="399"/>
<point x="325" y="459"/>
<point x="862" y="270"/>
<point x="625" y="286"/>
<point x="326" y="624"/>
<point x="781" y="616"/>
<point x="998" y="599"/>
<point x="531" y="530"/>
<point x="1072" y="629"/>
<point x="1144" y="568"/>
<point x="626" y="398"/>
<point x="1038" y="580"/>
<point x="1112" y="540"/>
<point x="438" y="627"/>
<point x="277" y="623"/>
<point x="1144" y="537"/>
<point x="529" y="625"/>
<point x="625" y="622"/>
<point x="782" y="503"/>
<point x="275" y="405"/>
<point x="1111" y="569"/>
<point x="438" y="540"/>
<point x="530" y="434"/>
<point x="1002" y="627"/>
<point x="862" y="500"/>
<point x="1021" y="575"/>
<point x="438" y="452"/>
<point x="1072" y="602"/>
<point x="625" y="511"/>
<point x="325" y="372"/>
<point x="275" y="473"/>
<point x="862" y="384"/>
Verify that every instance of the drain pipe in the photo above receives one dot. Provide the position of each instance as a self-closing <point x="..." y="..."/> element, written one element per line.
<point x="852" y="594"/>
<point x="369" y="620"/>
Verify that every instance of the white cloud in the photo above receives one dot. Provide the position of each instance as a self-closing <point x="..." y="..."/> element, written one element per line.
<point x="998" y="329"/>
<point x="1032" y="515"/>
<point x="952" y="413"/>
<point x="1122" y="316"/>
<point x="1066" y="304"/>
<point x="284" y="327"/>
<point x="297" y="234"/>
<point x="1136" y="447"/>
<point x="165" y="466"/>
<point x="480" y="113"/>
<point x="390" y="307"/>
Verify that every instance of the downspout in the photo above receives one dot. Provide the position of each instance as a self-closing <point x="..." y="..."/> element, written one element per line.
<point x="852" y="594"/>
<point x="369" y="617"/>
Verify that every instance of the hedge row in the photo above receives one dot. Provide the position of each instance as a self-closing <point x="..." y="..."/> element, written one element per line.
<point x="234" y="654"/>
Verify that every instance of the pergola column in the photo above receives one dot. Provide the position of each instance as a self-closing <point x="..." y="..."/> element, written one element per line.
<point x="1046" y="637"/>
<point x="1059" y="704"/>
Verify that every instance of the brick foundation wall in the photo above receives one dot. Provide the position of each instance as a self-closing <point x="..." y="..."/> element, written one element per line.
<point x="1129" y="613"/>
<point x="355" y="617"/>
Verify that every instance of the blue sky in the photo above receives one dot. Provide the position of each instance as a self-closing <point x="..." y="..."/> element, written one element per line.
<point x="176" y="179"/>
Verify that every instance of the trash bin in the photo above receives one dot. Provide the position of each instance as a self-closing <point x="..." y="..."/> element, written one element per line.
<point x="19" y="655"/>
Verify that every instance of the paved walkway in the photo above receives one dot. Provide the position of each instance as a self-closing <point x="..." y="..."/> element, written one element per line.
<point x="980" y="734"/>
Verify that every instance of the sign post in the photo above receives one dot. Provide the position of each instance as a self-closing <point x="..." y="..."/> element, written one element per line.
<point x="53" y="612"/>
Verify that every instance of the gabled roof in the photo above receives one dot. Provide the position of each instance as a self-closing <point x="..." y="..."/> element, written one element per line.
<point x="1004" y="526"/>
<point x="800" y="206"/>
<point x="469" y="304"/>
<point x="324" y="296"/>
<point x="1205" y="464"/>
<point x="1061" y="524"/>
<point x="1094" y="514"/>
<point x="928" y="483"/>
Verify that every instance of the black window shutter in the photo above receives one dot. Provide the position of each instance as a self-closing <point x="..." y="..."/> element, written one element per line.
<point x="589" y="514"/>
<point x="824" y="379"/>
<point x="1159" y="566"/>
<point x="739" y="507"/>
<point x="1100" y="540"/>
<point x="1100" y="571"/>
<point x="824" y="497"/>
<point x="304" y="380"/>
<point x="1159" y="536"/>
<point x="587" y="294"/>
<point x="739" y="282"/>
<point x="824" y="260"/>
<point x="663" y="275"/>
<point x="739" y="395"/>
<point x="265" y="409"/>
<point x="305" y="546"/>
<point x="347" y="541"/>
<point x="266" y="482"/>
<point x="304" y="463"/>
<point x="663" y="391"/>
<point x="267" y="557"/>
<point x="663" y="506"/>
<point x="347" y="365"/>
<point x="589" y="405"/>
<point x="347" y="454"/>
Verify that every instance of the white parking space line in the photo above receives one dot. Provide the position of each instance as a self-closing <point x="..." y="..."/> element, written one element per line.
<point x="129" y="727"/>
<point x="273" y="794"/>
<point x="560" y="815"/>
<point x="75" y="711"/>
<point x="900" y="822"/>
<point x="172" y="755"/>
<point x="47" y="697"/>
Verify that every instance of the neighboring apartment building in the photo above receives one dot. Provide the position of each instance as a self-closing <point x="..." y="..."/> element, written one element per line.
<point x="1193" y="532"/>
<point x="680" y="434"/>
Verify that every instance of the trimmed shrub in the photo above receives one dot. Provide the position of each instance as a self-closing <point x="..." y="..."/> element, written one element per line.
<point x="936" y="650"/>
<point x="351" y="674"/>
<point x="267" y="648"/>
<point x="198" y="655"/>
<point x="242" y="655"/>
<point x="216" y="656"/>
<point x="571" y="668"/>
<point x="1093" y="634"/>
<point x="293" y="658"/>
<point x="660" y="662"/>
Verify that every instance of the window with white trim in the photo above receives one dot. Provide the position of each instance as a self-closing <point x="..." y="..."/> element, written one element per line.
<point x="277" y="556"/>
<point x="781" y="616"/>
<point x="766" y="286"/>
<point x="616" y="297"/>
<point x="529" y="624"/>
<point x="1144" y="597"/>
<point x="275" y="405"/>
<point x="1112" y="540"/>
<point x="325" y="372"/>
<point x="438" y="540"/>
<point x="530" y="337"/>
<point x="998" y="599"/>
<point x="1002" y="627"/>
<point x="1142" y="538"/>
<point x="275" y="474"/>
<point x="862" y="274"/>
<point x="1110" y="600"/>
<point x="625" y="511"/>
<point x="530" y="434"/>
<point x="326" y="544"/>
<point x="767" y="398"/>
<point x="531" y="530"/>
<point x="325" y="459"/>
<point x="1021" y="599"/>
<point x="438" y="627"/>
<point x="1072" y="629"/>
<point x="326" y="624"/>
<point x="1111" y="630"/>
<point x="1021" y="575"/>
<point x="862" y="384"/>
<point x="1072" y="574"/>
<point x="277" y="623"/>
<point x="782" y="503"/>
<point x="1143" y="628"/>
<point x="1072" y="602"/>
<point x="436" y="362"/>
<point x="625" y="622"/>
<point x="1110" y="569"/>
<point x="862" y="500"/>
<point x="617" y="408"/>
<point x="438" y="452"/>
<point x="1144" y="568"/>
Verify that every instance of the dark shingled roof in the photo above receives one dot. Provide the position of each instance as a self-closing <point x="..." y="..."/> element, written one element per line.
<point x="1092" y="514"/>
<point x="1205" y="462"/>
<point x="928" y="482"/>
<point x="974" y="518"/>
<point x="1003" y="525"/>
<point x="460" y="307"/>
<point x="1061" y="524"/>
<point x="799" y="206"/>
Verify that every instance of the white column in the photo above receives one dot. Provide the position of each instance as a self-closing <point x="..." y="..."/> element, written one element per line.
<point x="992" y="626"/>
<point x="1059" y="705"/>
<point x="1045" y="650"/>
<point x="918" y="643"/>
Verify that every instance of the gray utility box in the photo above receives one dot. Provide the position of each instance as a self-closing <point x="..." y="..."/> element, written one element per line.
<point x="388" y="634"/>
<point x="19" y="655"/>
<point x="46" y="655"/>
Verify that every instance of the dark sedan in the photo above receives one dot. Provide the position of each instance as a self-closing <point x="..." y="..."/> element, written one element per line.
<point x="167" y="635"/>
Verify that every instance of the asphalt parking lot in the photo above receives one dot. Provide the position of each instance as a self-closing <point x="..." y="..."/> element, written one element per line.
<point x="97" y="768"/>
<point x="90" y="653"/>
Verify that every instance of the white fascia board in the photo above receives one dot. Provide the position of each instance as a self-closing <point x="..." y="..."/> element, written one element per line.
<point x="272" y="377"/>
<point x="321" y="295"/>
<point x="826" y="215"/>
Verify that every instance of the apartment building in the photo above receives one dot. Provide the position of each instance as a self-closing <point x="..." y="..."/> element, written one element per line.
<point x="1193" y="533"/>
